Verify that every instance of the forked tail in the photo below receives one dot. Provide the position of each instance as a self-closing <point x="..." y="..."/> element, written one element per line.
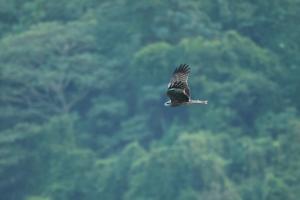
<point x="198" y="101"/>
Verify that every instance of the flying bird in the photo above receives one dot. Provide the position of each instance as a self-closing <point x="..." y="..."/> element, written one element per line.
<point x="178" y="89"/>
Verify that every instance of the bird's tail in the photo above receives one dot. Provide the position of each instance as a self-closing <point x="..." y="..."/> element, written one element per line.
<point x="198" y="101"/>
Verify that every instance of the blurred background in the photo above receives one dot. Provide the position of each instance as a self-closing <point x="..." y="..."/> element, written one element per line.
<point x="82" y="88"/>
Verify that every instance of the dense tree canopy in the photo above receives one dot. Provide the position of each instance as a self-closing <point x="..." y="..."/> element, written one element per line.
<point x="82" y="87"/>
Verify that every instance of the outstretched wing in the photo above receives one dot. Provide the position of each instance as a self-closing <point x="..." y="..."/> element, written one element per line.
<point x="180" y="78"/>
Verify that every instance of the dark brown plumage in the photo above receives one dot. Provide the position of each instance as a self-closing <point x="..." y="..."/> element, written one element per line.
<point x="178" y="89"/>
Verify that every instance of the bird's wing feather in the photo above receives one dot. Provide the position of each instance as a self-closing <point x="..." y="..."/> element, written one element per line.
<point x="180" y="78"/>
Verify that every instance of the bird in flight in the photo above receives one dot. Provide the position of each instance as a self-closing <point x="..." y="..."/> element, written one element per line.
<point x="178" y="89"/>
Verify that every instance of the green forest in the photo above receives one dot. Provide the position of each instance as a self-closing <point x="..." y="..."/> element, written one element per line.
<point x="82" y="91"/>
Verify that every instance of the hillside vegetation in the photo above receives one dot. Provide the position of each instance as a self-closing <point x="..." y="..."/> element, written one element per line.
<point x="82" y="88"/>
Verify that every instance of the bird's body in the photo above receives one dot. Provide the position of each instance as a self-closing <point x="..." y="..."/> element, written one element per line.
<point x="178" y="90"/>
<point x="178" y="94"/>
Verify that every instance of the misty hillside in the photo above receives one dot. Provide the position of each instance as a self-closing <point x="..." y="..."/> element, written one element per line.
<point x="82" y="91"/>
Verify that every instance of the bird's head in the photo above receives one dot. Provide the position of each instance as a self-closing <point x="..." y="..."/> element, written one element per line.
<point x="168" y="103"/>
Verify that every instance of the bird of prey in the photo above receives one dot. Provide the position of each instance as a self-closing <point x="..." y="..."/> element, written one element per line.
<point x="178" y="89"/>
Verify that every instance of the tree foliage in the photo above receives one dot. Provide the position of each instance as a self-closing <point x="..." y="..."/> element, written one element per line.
<point x="82" y="87"/>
